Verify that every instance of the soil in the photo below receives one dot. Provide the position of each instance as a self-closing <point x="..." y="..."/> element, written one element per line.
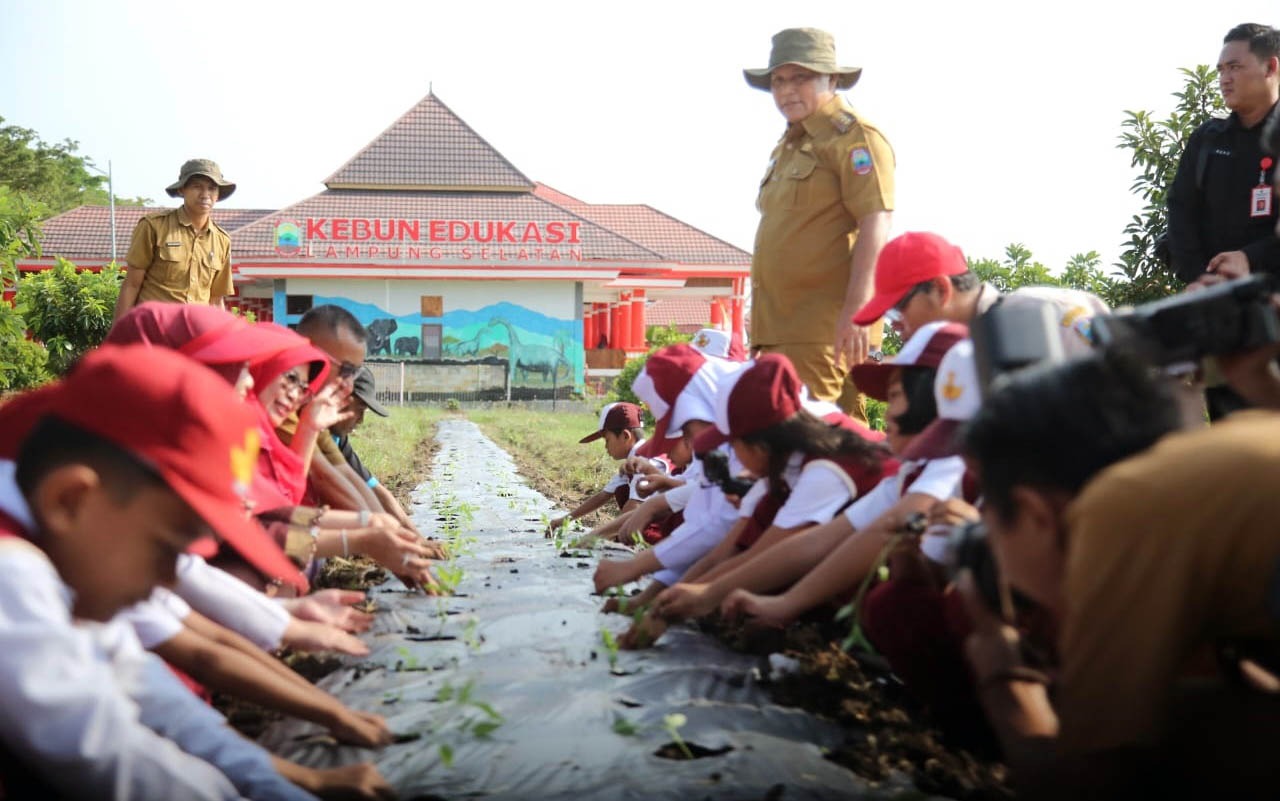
<point x="884" y="731"/>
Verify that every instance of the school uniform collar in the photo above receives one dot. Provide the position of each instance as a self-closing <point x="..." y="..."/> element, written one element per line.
<point x="11" y="501"/>
<point x="636" y="447"/>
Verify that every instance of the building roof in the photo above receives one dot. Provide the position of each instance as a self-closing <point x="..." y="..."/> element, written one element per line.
<point x="256" y="240"/>
<point x="429" y="147"/>
<point x="84" y="233"/>
<point x="652" y="229"/>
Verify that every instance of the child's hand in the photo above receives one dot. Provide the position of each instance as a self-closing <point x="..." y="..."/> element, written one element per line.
<point x="332" y="607"/>
<point x="310" y="636"/>
<point x="611" y="573"/>
<point x="768" y="610"/>
<point x="554" y="524"/>
<point x="399" y="550"/>
<point x="362" y="729"/>
<point x="638" y="465"/>
<point x="643" y="633"/>
<point x="683" y="601"/>
<point x="349" y="783"/>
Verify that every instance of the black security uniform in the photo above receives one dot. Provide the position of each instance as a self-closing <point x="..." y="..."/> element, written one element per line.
<point x="1209" y="200"/>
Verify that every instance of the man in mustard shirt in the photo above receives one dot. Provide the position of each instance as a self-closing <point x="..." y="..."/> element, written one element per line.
<point x="825" y="205"/>
<point x="182" y="255"/>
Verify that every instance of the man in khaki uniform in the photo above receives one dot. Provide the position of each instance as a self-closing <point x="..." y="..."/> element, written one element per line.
<point x="825" y="204"/>
<point x="181" y="256"/>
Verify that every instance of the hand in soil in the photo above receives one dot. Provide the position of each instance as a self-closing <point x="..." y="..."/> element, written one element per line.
<point x="611" y="607"/>
<point x="643" y="633"/>
<point x="435" y="549"/>
<point x="611" y="573"/>
<point x="684" y="601"/>
<point x="334" y="607"/>
<point x="553" y="525"/>
<point x="362" y="729"/>
<point x="350" y="783"/>
<point x="399" y="550"/>
<point x="767" y="610"/>
<point x="308" y="635"/>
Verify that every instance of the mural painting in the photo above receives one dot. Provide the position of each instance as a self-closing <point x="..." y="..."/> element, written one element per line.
<point x="529" y="355"/>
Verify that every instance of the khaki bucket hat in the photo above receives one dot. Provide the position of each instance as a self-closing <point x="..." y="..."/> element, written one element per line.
<point x="208" y="169"/>
<point x="806" y="47"/>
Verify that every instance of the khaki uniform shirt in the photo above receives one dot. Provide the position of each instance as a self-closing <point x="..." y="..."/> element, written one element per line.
<point x="181" y="266"/>
<point x="1169" y="552"/>
<point x="826" y="173"/>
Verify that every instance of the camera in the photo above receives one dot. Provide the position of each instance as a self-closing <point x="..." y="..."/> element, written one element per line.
<point x="968" y="548"/>
<point x="1010" y="337"/>
<point x="1225" y="318"/>
<point x="715" y="466"/>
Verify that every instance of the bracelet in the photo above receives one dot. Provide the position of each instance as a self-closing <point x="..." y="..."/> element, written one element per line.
<point x="364" y="518"/>
<point x="314" y="531"/>
<point x="345" y="550"/>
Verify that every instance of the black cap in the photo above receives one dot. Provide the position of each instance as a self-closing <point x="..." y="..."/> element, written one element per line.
<point x="364" y="390"/>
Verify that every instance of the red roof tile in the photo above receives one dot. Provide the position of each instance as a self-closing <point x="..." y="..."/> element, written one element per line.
<point x="686" y="314"/>
<point x="598" y="243"/>
<point x="650" y="228"/>
<point x="84" y="233"/>
<point x="429" y="146"/>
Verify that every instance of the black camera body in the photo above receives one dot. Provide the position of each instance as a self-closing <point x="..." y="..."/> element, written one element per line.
<point x="1009" y="337"/>
<point x="715" y="466"/>
<point x="1230" y="317"/>
<point x="968" y="549"/>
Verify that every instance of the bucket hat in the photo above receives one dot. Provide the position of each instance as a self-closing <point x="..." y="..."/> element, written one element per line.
<point x="810" y="48"/>
<point x="206" y="167"/>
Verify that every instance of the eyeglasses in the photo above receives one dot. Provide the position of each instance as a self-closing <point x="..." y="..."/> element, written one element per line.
<point x="344" y="370"/>
<point x="295" y="382"/>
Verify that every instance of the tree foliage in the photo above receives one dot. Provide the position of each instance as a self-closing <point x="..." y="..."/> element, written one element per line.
<point x="22" y="362"/>
<point x="52" y="174"/>
<point x="1156" y="146"/>
<point x="67" y="309"/>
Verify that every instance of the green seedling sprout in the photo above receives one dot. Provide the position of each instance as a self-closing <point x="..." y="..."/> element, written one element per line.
<point x="611" y="647"/>
<point x="624" y="727"/>
<point x="469" y="635"/>
<point x="673" y="723"/>
<point x="638" y="540"/>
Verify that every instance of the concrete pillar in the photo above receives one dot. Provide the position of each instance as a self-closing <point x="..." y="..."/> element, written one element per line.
<point x="600" y="311"/>
<point x="588" y="329"/>
<point x="624" y="320"/>
<point x="717" y="313"/>
<point x="637" y="320"/>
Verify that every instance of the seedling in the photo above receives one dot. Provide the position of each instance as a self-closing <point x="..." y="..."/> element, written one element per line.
<point x="611" y="648"/>
<point x="638" y="540"/>
<point x="673" y="723"/>
<point x="624" y="727"/>
<point x="407" y="660"/>
<point x="469" y="635"/>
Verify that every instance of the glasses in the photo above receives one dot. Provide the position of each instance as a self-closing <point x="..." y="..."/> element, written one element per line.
<point x="344" y="370"/>
<point x="294" y="382"/>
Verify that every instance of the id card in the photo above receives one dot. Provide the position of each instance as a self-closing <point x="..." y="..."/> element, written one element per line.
<point x="1260" y="202"/>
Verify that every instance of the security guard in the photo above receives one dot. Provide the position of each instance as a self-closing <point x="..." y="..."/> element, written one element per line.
<point x="182" y="255"/>
<point x="825" y="208"/>
<point x="1222" y="211"/>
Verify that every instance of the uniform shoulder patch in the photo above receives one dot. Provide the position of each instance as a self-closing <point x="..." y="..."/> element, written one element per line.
<point x="843" y="121"/>
<point x="860" y="158"/>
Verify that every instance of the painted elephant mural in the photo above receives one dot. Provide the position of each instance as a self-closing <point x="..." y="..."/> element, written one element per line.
<point x="380" y="332"/>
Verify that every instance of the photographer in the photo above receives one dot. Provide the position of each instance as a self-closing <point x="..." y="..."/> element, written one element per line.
<point x="1125" y="533"/>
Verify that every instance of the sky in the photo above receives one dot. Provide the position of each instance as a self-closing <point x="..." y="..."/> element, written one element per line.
<point x="1004" y="116"/>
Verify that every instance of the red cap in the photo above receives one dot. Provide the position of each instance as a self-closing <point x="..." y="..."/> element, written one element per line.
<point x="615" y="417"/>
<point x="205" y="333"/>
<point x="764" y="394"/>
<point x="664" y="376"/>
<point x="177" y="417"/>
<point x="905" y="261"/>
<point x="925" y="349"/>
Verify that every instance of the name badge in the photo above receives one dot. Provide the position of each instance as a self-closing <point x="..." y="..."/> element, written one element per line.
<point x="173" y="244"/>
<point x="1260" y="202"/>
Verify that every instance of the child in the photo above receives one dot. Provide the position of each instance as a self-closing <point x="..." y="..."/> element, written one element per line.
<point x="850" y="541"/>
<point x="141" y="452"/>
<point x="809" y="469"/>
<point x="622" y="434"/>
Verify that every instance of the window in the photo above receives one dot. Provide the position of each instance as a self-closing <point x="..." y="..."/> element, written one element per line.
<point x="298" y="304"/>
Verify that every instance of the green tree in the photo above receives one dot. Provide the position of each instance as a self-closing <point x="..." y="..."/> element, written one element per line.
<point x="1156" y="146"/>
<point x="69" y="310"/>
<point x="52" y="174"/>
<point x="22" y="362"/>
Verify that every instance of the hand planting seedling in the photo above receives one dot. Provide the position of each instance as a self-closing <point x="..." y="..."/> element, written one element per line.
<point x="611" y="648"/>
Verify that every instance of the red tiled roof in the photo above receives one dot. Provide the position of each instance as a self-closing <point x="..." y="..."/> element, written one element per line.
<point x="429" y="146"/>
<point x="598" y="243"/>
<point x="84" y="233"/>
<point x="686" y="314"/>
<point x="650" y="228"/>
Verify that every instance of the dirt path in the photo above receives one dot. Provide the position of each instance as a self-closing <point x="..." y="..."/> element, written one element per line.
<point x="506" y="690"/>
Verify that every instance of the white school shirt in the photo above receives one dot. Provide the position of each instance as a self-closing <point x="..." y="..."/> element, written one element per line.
<point x="939" y="478"/>
<point x="93" y="712"/>
<point x="819" y="489"/>
<point x="230" y="602"/>
<point x="708" y="516"/>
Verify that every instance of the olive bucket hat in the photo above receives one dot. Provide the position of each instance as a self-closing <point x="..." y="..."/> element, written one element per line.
<point x="208" y="169"/>
<point x="806" y="47"/>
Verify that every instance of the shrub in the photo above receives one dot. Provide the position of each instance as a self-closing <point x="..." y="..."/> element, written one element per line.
<point x="69" y="310"/>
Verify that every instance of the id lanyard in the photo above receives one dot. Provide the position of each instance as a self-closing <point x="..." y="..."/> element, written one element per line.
<point x="1260" y="198"/>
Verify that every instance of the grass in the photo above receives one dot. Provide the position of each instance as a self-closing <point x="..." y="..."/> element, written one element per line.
<point x="545" y="447"/>
<point x="398" y="449"/>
